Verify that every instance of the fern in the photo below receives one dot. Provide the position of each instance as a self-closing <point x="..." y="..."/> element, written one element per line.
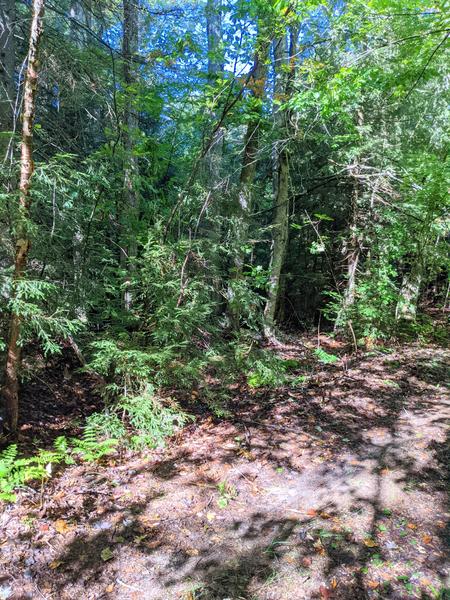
<point x="324" y="357"/>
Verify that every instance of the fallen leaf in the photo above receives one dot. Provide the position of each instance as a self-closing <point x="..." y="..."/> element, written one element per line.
<point x="372" y="584"/>
<point x="324" y="515"/>
<point x="425" y="581"/>
<point x="106" y="554"/>
<point x="62" y="526"/>
<point x="311" y="512"/>
<point x="210" y="516"/>
<point x="411" y="526"/>
<point x="427" y="539"/>
<point x="192" y="551"/>
<point x="306" y="561"/>
<point x="289" y="559"/>
<point x="110" y="588"/>
<point x="334" y="583"/>
<point x="55" y="564"/>
<point x="370" y="543"/>
<point x="319" y="547"/>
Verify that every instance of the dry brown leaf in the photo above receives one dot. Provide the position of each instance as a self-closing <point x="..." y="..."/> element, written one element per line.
<point x="411" y="526"/>
<point x="289" y="559"/>
<point x="372" y="584"/>
<point x="427" y="539"/>
<point x="370" y="543"/>
<point x="311" y="512"/>
<point x="109" y="588"/>
<point x="55" y="564"/>
<point x="318" y="546"/>
<point x="62" y="526"/>
<point x="334" y="583"/>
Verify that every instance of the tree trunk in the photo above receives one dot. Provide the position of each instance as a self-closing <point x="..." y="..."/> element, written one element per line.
<point x="130" y="126"/>
<point x="280" y="226"/>
<point x="243" y="211"/>
<point x="216" y="65"/>
<point x="406" y="308"/>
<point x="10" y="391"/>
<point x="352" y="248"/>
<point x="7" y="65"/>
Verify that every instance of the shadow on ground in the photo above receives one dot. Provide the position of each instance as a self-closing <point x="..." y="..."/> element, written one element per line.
<point x="335" y="490"/>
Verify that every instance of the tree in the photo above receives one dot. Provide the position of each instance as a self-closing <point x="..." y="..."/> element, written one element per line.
<point x="244" y="204"/>
<point x="7" y="66"/>
<point x="130" y="45"/>
<point x="10" y="391"/>
<point x="285" y="61"/>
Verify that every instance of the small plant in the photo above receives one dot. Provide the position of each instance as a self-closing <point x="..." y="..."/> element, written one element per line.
<point x="134" y="414"/>
<point x="89" y="447"/>
<point x="227" y="492"/>
<point x="324" y="357"/>
<point x="16" y="471"/>
<point x="267" y="369"/>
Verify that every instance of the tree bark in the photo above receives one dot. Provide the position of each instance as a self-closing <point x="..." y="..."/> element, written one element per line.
<point x="406" y="308"/>
<point x="244" y="203"/>
<point x="10" y="391"/>
<point x="353" y="252"/>
<point x="7" y="65"/>
<point x="280" y="226"/>
<point x="130" y="46"/>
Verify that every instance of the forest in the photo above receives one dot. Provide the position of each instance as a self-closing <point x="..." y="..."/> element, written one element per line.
<point x="224" y="299"/>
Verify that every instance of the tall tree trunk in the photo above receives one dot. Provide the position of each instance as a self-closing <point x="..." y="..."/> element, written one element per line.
<point x="352" y="248"/>
<point x="280" y="226"/>
<point x="216" y="65"/>
<point x="243" y="211"/>
<point x="7" y="85"/>
<point x="10" y="391"/>
<point x="130" y="126"/>
<point x="353" y="252"/>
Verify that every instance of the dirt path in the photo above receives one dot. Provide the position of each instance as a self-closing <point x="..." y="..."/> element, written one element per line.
<point x="337" y="490"/>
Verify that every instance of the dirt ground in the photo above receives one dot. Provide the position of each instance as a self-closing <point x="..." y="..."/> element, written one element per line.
<point x="334" y="489"/>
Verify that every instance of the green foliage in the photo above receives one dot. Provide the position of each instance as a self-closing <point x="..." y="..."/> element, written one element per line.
<point x="36" y="304"/>
<point x="151" y="419"/>
<point x="268" y="370"/>
<point x="90" y="447"/>
<point x="16" y="471"/>
<point x="134" y="414"/>
<point x="324" y="357"/>
<point x="227" y="493"/>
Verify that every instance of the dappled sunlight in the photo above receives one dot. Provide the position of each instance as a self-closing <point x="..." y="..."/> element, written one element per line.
<point x="327" y="504"/>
